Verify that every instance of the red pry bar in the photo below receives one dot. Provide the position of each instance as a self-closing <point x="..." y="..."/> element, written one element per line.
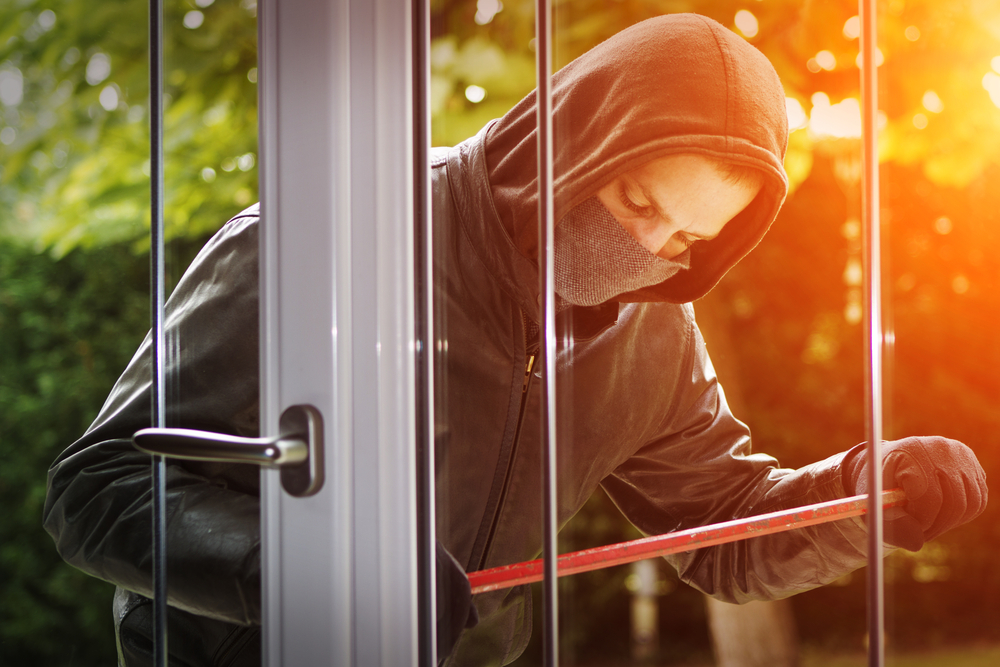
<point x="507" y="576"/>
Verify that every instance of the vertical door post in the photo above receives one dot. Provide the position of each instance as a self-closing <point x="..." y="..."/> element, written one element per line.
<point x="546" y="292"/>
<point x="873" y="326"/>
<point x="337" y="322"/>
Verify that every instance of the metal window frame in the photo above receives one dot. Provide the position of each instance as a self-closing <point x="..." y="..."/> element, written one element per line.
<point x="547" y="333"/>
<point x="157" y="330"/>
<point x="874" y="336"/>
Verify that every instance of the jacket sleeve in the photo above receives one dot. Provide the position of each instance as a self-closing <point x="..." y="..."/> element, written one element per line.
<point x="98" y="507"/>
<point x="700" y="470"/>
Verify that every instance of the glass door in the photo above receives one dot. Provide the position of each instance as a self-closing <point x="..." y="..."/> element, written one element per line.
<point x="567" y="392"/>
<point x="939" y="163"/>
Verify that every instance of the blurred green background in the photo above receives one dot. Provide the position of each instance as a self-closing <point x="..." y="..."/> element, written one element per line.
<point x="784" y="327"/>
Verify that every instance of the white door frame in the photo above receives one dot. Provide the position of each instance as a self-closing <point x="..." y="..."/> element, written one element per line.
<point x="336" y="114"/>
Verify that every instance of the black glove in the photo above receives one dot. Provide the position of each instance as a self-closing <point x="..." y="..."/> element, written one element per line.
<point x="455" y="609"/>
<point x="945" y="486"/>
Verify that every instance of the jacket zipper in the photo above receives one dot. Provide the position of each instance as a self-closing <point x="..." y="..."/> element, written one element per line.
<point x="529" y="364"/>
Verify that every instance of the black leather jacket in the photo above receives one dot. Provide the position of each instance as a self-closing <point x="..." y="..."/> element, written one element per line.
<point x="640" y="413"/>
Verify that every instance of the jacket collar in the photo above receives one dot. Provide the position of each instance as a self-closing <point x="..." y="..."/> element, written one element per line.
<point x="516" y="274"/>
<point x="470" y="187"/>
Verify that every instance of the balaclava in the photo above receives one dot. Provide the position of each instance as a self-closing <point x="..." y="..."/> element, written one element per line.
<point x="595" y="259"/>
<point x="680" y="83"/>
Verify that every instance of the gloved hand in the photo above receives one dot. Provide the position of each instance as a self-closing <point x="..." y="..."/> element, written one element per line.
<point x="945" y="486"/>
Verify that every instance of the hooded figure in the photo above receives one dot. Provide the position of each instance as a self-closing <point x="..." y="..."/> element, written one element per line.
<point x="640" y="414"/>
<point x="639" y="411"/>
<point x="678" y="84"/>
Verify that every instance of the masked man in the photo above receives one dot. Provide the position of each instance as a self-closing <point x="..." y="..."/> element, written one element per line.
<point x="670" y="138"/>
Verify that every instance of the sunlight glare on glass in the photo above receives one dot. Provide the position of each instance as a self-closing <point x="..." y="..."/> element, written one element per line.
<point x="879" y="59"/>
<point x="912" y="33"/>
<point x="193" y="19"/>
<point x="246" y="161"/>
<point x="853" y="274"/>
<point x="852" y="27"/>
<point x="98" y="68"/>
<point x="839" y="121"/>
<point x="475" y="94"/>
<point x="109" y="98"/>
<point x="826" y="60"/>
<point x="797" y="118"/>
<point x="486" y="10"/>
<point x="47" y="19"/>
<point x="820" y="99"/>
<point x="11" y="86"/>
<point x="853" y="310"/>
<point x="747" y="23"/>
<point x="991" y="82"/>
<point x="932" y="102"/>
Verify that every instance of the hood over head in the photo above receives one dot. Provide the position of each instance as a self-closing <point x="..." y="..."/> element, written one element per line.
<point x="680" y="83"/>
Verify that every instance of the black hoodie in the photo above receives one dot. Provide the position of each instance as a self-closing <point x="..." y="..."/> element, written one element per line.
<point x="639" y="411"/>
<point x="673" y="84"/>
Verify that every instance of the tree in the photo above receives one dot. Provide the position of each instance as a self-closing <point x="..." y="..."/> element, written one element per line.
<point x="74" y="134"/>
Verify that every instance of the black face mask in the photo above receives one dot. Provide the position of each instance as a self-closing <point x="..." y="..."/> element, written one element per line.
<point x="596" y="259"/>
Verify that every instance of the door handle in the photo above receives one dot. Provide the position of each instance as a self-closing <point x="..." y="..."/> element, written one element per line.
<point x="297" y="450"/>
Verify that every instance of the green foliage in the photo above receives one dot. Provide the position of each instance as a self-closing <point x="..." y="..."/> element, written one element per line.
<point x="74" y="142"/>
<point x="67" y="329"/>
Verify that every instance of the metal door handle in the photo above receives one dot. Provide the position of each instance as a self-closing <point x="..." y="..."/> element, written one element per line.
<point x="297" y="451"/>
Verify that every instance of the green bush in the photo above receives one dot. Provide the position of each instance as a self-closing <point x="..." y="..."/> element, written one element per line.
<point x="67" y="329"/>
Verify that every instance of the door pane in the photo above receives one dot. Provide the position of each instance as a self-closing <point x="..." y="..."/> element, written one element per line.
<point x="765" y="325"/>
<point x="784" y="327"/>
<point x="939" y="160"/>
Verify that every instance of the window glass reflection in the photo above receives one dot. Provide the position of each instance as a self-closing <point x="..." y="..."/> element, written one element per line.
<point x="783" y="328"/>
<point x="939" y="157"/>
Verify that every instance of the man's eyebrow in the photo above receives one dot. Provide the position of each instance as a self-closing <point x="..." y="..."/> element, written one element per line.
<point x="663" y="214"/>
<point x="652" y="201"/>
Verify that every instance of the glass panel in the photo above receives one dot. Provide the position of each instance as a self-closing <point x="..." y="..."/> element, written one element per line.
<point x="786" y="327"/>
<point x="488" y="466"/>
<point x="763" y="324"/>
<point x="102" y="520"/>
<point x="673" y="438"/>
<point x="942" y="128"/>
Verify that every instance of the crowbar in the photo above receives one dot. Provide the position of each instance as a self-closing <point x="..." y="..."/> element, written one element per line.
<point x="507" y="576"/>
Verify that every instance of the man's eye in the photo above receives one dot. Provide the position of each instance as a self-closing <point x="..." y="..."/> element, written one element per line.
<point x="631" y="205"/>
